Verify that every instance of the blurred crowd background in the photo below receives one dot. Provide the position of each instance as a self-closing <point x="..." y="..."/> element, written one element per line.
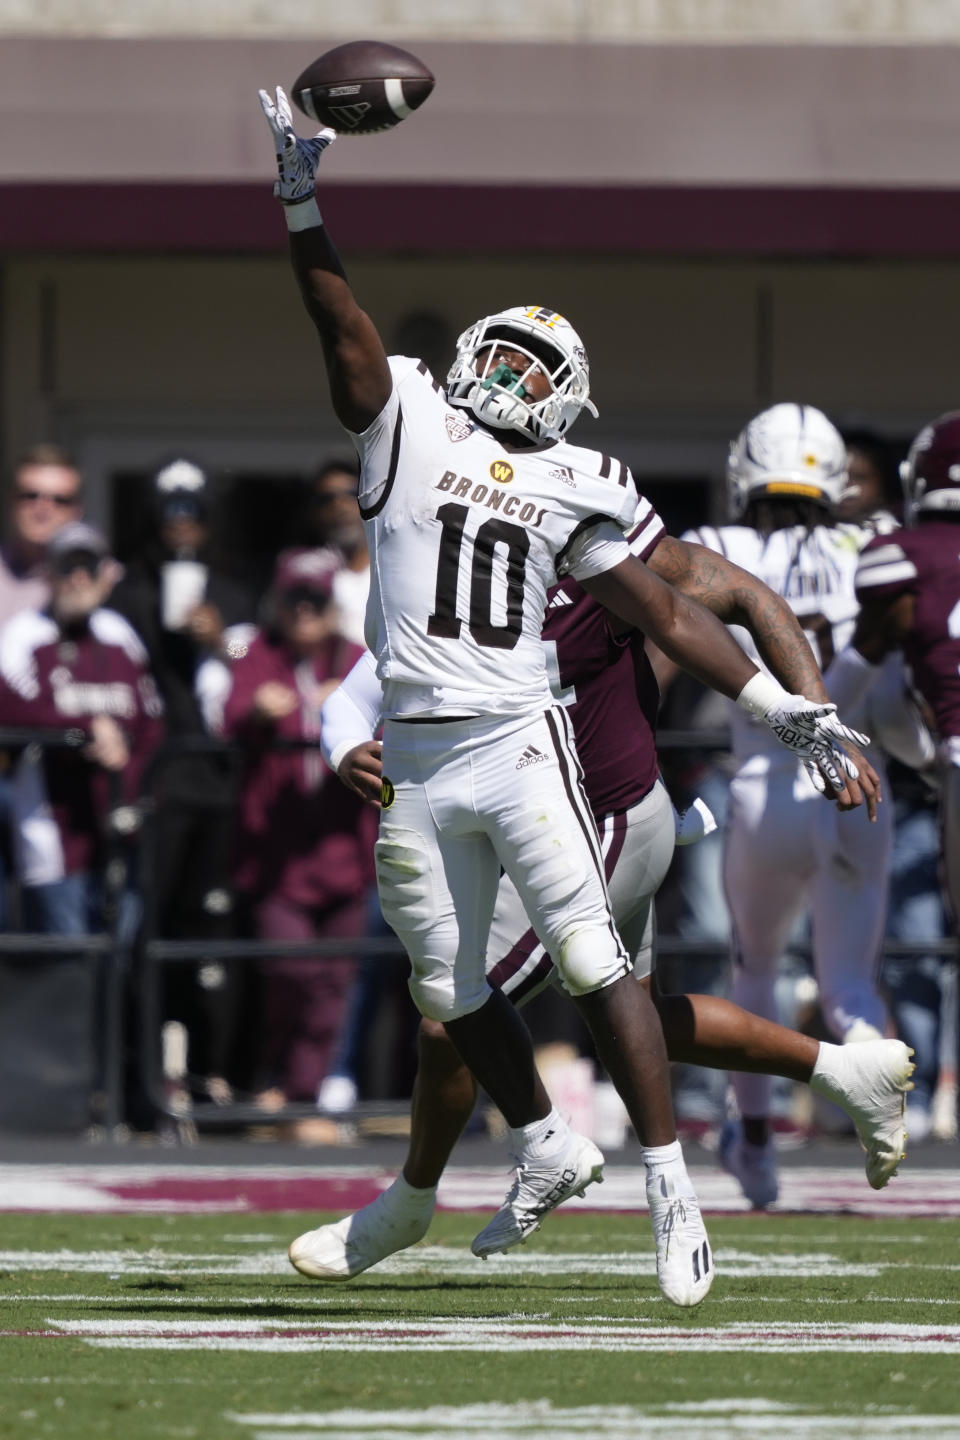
<point x="735" y="205"/>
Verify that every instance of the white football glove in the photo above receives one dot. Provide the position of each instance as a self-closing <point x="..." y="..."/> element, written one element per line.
<point x="297" y="159"/>
<point x="807" y="727"/>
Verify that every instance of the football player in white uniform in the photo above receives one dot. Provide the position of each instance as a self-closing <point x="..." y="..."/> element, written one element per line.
<point x="784" y="854"/>
<point x="474" y="504"/>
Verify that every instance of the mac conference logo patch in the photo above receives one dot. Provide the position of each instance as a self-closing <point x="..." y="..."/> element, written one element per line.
<point x="387" y="793"/>
<point x="501" y="471"/>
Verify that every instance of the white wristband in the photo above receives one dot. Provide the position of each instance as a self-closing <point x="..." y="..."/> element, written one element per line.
<point x="760" y="694"/>
<point x="304" y="215"/>
<point x="338" y="753"/>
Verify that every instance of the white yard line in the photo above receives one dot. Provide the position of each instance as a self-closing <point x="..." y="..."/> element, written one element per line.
<point x="704" y="1420"/>
<point x="511" y="1335"/>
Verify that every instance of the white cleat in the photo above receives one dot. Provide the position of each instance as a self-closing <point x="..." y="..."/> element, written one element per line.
<point x="684" y="1258"/>
<point x="352" y="1245"/>
<point x="536" y="1190"/>
<point x="870" y="1082"/>
<point x="754" y="1167"/>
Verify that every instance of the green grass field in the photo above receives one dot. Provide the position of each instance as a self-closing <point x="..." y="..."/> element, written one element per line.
<point x="195" y="1326"/>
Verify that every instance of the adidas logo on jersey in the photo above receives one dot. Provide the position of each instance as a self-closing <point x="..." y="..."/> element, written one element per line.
<point x="530" y="756"/>
<point x="457" y="427"/>
<point x="565" y="475"/>
<point x="560" y="599"/>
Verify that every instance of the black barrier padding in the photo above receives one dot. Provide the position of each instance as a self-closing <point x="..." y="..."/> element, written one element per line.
<point x="47" y="1010"/>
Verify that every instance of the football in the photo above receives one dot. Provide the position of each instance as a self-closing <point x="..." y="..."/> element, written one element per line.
<point x="363" y="87"/>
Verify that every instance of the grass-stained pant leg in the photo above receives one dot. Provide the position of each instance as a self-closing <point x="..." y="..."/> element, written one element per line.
<point x="437" y="872"/>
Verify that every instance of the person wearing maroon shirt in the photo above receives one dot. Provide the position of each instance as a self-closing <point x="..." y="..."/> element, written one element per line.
<point x="45" y="492"/>
<point x="305" y="845"/>
<point x="74" y="665"/>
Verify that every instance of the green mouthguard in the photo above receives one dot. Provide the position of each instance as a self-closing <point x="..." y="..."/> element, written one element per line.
<point x="503" y="375"/>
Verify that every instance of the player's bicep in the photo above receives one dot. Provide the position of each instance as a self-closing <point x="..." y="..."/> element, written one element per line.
<point x="703" y="575"/>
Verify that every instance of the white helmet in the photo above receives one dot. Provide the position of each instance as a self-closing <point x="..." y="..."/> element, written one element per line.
<point x="787" y="450"/>
<point x="496" y="394"/>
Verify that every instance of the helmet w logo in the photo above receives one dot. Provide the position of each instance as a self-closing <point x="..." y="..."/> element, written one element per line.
<point x="546" y="317"/>
<point x="501" y="471"/>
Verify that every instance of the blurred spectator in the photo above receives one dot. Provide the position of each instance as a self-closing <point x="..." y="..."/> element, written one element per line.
<point x="45" y="492"/>
<point x="182" y="605"/>
<point x="334" y="519"/>
<point x="75" y="665"/>
<point x="306" y="842"/>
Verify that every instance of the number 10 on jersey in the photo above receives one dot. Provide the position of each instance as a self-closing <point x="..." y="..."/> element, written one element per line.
<point x="445" y="623"/>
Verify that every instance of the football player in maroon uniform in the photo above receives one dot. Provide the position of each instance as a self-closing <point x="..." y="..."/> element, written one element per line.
<point x="908" y="585"/>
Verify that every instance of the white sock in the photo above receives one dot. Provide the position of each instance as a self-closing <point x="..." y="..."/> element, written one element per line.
<point x="543" y="1139"/>
<point x="667" y="1170"/>
<point x="405" y="1196"/>
<point x="827" y="1070"/>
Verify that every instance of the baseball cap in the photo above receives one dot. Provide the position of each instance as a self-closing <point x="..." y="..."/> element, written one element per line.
<point x="309" y="570"/>
<point x="181" y="489"/>
<point x="77" y="537"/>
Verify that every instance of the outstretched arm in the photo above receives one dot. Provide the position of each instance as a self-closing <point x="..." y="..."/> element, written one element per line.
<point x="738" y="598"/>
<point x="360" y="381"/>
<point x="693" y="637"/>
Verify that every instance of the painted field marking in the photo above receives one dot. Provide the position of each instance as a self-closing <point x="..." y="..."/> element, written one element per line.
<point x="510" y="1336"/>
<point x="200" y="1189"/>
<point x="539" y="1420"/>
<point x="312" y="1298"/>
<point x="446" y="1262"/>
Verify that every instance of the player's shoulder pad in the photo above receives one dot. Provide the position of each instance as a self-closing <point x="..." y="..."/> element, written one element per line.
<point x="597" y="465"/>
<point x="407" y="368"/>
<point x="884" y="562"/>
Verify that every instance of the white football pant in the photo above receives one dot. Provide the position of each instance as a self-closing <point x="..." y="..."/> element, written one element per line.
<point x="470" y="796"/>
<point x="787" y="849"/>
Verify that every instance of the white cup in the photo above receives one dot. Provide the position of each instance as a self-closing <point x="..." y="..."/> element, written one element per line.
<point x="183" y="584"/>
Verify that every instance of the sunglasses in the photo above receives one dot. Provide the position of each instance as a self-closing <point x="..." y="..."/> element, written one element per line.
<point x="302" y="595"/>
<point x="32" y="496"/>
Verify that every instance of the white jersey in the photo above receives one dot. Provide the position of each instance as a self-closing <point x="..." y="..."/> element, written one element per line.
<point x="466" y="537"/>
<point x="814" y="571"/>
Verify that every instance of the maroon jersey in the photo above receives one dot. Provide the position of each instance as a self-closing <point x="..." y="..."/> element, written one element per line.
<point x="925" y="563"/>
<point x="609" y="685"/>
<point x="53" y="679"/>
<point x="300" y="837"/>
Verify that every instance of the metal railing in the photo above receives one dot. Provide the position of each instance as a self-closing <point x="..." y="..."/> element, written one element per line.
<point x="143" y="964"/>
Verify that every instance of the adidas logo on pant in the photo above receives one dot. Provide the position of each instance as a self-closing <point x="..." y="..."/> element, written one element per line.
<point x="530" y="756"/>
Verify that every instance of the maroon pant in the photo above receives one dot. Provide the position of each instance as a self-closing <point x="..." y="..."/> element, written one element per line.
<point x="304" y="998"/>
